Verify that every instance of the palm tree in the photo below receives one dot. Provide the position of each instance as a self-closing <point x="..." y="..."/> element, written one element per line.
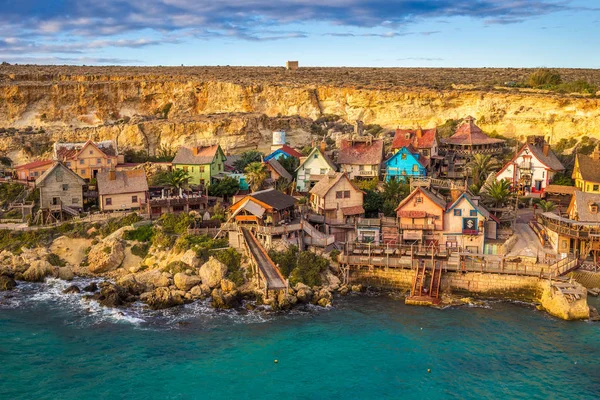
<point x="547" y="206"/>
<point x="176" y="179"/>
<point x="481" y="165"/>
<point x="282" y="184"/>
<point x="256" y="173"/>
<point x="497" y="193"/>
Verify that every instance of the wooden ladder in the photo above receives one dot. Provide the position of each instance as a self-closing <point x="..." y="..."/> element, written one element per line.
<point x="436" y="280"/>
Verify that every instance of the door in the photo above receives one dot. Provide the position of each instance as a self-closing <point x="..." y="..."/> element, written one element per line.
<point x="94" y="173"/>
<point x="55" y="201"/>
<point x="538" y="185"/>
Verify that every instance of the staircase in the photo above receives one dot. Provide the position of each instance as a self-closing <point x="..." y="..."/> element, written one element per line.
<point x="436" y="281"/>
<point x="431" y="294"/>
<point x="71" y="211"/>
<point x="316" y="238"/>
<point x="563" y="266"/>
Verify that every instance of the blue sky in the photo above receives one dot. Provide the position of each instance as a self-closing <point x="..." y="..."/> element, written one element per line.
<point x="379" y="33"/>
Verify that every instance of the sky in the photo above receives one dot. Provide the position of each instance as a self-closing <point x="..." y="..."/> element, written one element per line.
<point x="377" y="33"/>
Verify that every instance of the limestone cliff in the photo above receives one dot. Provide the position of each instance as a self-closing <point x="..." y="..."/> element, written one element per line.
<point x="238" y="108"/>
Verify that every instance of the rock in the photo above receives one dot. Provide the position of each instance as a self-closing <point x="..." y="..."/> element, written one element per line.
<point x="92" y="287"/>
<point x="227" y="285"/>
<point x="186" y="282"/>
<point x="144" y="296"/>
<point x="7" y="283"/>
<point x="72" y="289"/>
<point x="334" y="281"/>
<point x="286" y="301"/>
<point x="112" y="295"/>
<point x="357" y="288"/>
<point x="212" y="272"/>
<point x="325" y="294"/>
<point x="154" y="279"/>
<point x="133" y="287"/>
<point x="323" y="302"/>
<point x="190" y="258"/>
<point x="197" y="292"/>
<point x="304" y="295"/>
<point x="344" y="290"/>
<point x="66" y="273"/>
<point x="224" y="300"/>
<point x="106" y="256"/>
<point x="162" y="297"/>
<point x="38" y="271"/>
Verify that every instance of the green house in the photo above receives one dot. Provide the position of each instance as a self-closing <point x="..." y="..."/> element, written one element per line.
<point x="202" y="163"/>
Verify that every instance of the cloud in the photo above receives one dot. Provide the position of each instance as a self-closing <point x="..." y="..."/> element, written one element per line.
<point x="381" y="35"/>
<point x="70" y="60"/>
<point x="420" y="59"/>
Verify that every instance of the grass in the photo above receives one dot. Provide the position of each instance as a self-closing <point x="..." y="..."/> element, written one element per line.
<point x="55" y="260"/>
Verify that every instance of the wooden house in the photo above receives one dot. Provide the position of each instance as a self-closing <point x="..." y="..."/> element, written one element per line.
<point x="531" y="170"/>
<point x="467" y="224"/>
<point x="201" y="163"/>
<point x="361" y="157"/>
<point x="276" y="171"/>
<point x="265" y="207"/>
<point x="421" y="217"/>
<point x="284" y="151"/>
<point x="404" y="164"/>
<point x="33" y="170"/>
<point x="336" y="198"/>
<point x="88" y="159"/>
<point x="586" y="172"/>
<point x="123" y="190"/>
<point x="61" y="190"/>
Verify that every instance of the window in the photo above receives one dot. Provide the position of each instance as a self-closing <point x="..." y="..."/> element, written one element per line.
<point x="404" y="156"/>
<point x="543" y="174"/>
<point x="307" y="170"/>
<point x="68" y="164"/>
<point x="192" y="169"/>
<point x="346" y="194"/>
<point x="108" y="201"/>
<point x="201" y="168"/>
<point x="425" y="152"/>
<point x="134" y="199"/>
<point x="98" y="161"/>
<point x="82" y="171"/>
<point x="75" y="200"/>
<point x="91" y="152"/>
<point x="323" y="171"/>
<point x="109" y="161"/>
<point x="473" y="213"/>
<point x="339" y="194"/>
<point x="81" y="162"/>
<point x="185" y="168"/>
<point x="596" y="187"/>
<point x="316" y="156"/>
<point x="457" y="212"/>
<point x="65" y="187"/>
<point x="59" y="176"/>
<point x="418" y="199"/>
<point x="415" y="168"/>
<point x="361" y="167"/>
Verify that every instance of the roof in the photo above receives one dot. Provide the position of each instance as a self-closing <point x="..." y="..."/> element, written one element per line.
<point x="360" y="153"/>
<point x="560" y="189"/>
<point x="57" y="164"/>
<point x="325" y="157"/>
<point x="470" y="199"/>
<point x="34" y="164"/>
<point x="274" y="198"/>
<point x="436" y="200"/>
<point x="423" y="161"/>
<point x="279" y="169"/>
<point x="133" y="181"/>
<point x="69" y="151"/>
<point x="323" y="186"/>
<point x="470" y="134"/>
<point x="582" y="201"/>
<point x="550" y="160"/>
<point x="418" y="138"/>
<point x="290" y="151"/>
<point x="588" y="168"/>
<point x="205" y="155"/>
<point x="354" y="210"/>
<point x="230" y="161"/>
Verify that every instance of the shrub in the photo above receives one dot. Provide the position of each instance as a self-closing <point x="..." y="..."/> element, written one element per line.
<point x="334" y="254"/>
<point x="304" y="266"/>
<point x="544" y="77"/>
<point x="114" y="224"/>
<point x="107" y="249"/>
<point x="55" y="260"/>
<point x="177" y="224"/>
<point x="142" y="233"/>
<point x="232" y="259"/>
<point x="140" y="249"/>
<point x="175" y="267"/>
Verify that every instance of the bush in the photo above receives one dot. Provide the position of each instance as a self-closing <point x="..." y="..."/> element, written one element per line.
<point x="304" y="266"/>
<point x="143" y="233"/>
<point x="114" y="224"/>
<point x="177" y="224"/>
<point x="55" y="260"/>
<point x="140" y="249"/>
<point x="544" y="78"/>
<point x="175" y="267"/>
<point x="334" y="254"/>
<point x="232" y="259"/>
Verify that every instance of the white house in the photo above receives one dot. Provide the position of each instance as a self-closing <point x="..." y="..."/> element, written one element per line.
<point x="312" y="169"/>
<point x="532" y="168"/>
<point x="467" y="224"/>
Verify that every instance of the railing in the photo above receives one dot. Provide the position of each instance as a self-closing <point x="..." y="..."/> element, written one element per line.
<point x="278" y="229"/>
<point x="470" y="232"/>
<point x="178" y="201"/>
<point x="420" y="227"/>
<point x="367" y="173"/>
<point x="563" y="266"/>
<point x="525" y="165"/>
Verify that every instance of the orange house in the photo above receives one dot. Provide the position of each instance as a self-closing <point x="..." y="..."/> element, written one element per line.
<point x="89" y="158"/>
<point x="421" y="217"/>
<point x="32" y="170"/>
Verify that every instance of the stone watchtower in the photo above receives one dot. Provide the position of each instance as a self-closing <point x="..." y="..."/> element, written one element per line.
<point x="291" y="65"/>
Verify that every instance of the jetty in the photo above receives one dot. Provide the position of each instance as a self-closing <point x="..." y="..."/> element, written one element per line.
<point x="267" y="273"/>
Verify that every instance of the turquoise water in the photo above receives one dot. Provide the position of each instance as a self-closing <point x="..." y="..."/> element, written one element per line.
<point x="55" y="346"/>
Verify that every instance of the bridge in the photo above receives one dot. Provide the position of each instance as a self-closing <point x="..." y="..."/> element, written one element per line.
<point x="429" y="182"/>
<point x="266" y="269"/>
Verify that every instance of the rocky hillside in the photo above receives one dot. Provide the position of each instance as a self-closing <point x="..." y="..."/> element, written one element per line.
<point x="149" y="107"/>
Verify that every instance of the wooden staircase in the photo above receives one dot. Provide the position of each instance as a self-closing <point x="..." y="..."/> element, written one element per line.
<point x="426" y="286"/>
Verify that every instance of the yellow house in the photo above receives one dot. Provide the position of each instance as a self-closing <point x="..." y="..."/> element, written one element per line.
<point x="122" y="190"/>
<point x="336" y="198"/>
<point x="88" y="159"/>
<point x="586" y="172"/>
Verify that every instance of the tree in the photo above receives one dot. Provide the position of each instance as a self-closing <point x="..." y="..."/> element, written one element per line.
<point x="227" y="187"/>
<point x="562" y="180"/>
<point x="256" y="173"/>
<point x="546" y="206"/>
<point x="290" y="164"/>
<point x="282" y="184"/>
<point x="373" y="202"/>
<point x="497" y="193"/>
<point x="176" y="179"/>
<point x="481" y="165"/>
<point x="394" y="191"/>
<point x="246" y="158"/>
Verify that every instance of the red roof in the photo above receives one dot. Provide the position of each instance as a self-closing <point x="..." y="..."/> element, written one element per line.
<point x="290" y="151"/>
<point x="470" y="134"/>
<point x="417" y="138"/>
<point x="353" y="210"/>
<point x="34" y="164"/>
<point x="361" y="153"/>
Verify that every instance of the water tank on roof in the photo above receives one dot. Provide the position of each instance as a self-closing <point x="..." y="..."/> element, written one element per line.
<point x="278" y="138"/>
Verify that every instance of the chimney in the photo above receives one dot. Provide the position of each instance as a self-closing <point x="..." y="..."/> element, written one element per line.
<point x="195" y="150"/>
<point x="419" y="132"/>
<point x="322" y="146"/>
<point x="112" y="175"/>
<point x="545" y="148"/>
<point x="596" y="153"/>
<point x="455" y="193"/>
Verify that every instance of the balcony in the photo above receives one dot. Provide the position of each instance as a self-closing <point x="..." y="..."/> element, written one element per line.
<point x="525" y="166"/>
<point x="472" y="232"/>
<point x="367" y="173"/>
<point x="417" y="227"/>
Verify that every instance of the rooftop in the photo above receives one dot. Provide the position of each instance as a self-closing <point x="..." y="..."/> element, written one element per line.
<point x="132" y="181"/>
<point x="198" y="155"/>
<point x="361" y="153"/>
<point x="417" y="138"/>
<point x="469" y="134"/>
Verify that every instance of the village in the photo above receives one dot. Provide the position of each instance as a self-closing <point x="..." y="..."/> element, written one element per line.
<point x="411" y="211"/>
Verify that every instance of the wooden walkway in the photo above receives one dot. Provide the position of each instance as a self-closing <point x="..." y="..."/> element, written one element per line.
<point x="266" y="267"/>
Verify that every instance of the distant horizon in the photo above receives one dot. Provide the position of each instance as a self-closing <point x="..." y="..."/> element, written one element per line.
<point x="359" y="33"/>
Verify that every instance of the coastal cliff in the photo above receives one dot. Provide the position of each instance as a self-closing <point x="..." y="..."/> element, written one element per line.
<point x="239" y="106"/>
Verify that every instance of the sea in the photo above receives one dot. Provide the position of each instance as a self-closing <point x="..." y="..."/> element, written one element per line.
<point x="367" y="346"/>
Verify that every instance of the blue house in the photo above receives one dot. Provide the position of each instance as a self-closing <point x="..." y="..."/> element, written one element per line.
<point x="284" y="151"/>
<point x="404" y="164"/>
